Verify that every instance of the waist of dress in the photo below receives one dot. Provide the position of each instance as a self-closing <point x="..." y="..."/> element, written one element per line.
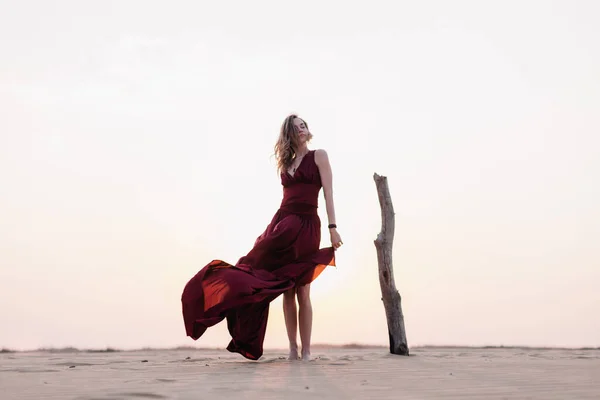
<point x="299" y="208"/>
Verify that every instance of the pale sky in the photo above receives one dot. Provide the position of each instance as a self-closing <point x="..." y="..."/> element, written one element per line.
<point x="136" y="141"/>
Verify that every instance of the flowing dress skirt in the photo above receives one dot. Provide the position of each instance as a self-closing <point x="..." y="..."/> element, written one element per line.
<point x="284" y="256"/>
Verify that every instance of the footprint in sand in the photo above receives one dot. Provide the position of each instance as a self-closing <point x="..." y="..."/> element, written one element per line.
<point x="75" y="364"/>
<point x="32" y="370"/>
<point x="144" y="395"/>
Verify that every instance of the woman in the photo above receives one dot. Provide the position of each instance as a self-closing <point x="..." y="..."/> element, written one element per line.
<point x="285" y="258"/>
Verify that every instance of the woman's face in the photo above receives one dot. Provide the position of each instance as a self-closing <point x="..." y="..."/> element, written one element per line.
<point x="301" y="130"/>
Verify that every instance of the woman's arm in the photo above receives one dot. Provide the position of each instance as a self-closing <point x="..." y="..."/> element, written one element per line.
<point x="322" y="161"/>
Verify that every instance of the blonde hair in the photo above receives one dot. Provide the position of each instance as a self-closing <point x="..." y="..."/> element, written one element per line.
<point x="287" y="143"/>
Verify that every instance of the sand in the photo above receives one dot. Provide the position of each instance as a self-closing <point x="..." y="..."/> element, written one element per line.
<point x="335" y="373"/>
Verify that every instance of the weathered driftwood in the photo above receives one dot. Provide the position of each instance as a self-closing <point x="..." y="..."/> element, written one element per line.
<point x="390" y="295"/>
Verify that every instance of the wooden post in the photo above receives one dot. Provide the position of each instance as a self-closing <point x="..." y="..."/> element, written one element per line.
<point x="390" y="295"/>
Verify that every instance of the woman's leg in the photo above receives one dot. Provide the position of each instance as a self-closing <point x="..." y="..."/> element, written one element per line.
<point x="290" y="315"/>
<point x="305" y="318"/>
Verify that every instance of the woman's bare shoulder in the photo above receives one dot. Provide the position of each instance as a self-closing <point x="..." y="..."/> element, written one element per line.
<point x="320" y="156"/>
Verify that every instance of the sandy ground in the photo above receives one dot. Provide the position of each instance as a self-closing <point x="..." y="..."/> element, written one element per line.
<point x="335" y="373"/>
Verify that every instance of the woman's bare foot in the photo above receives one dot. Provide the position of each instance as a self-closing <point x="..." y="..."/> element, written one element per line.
<point x="293" y="353"/>
<point x="306" y="356"/>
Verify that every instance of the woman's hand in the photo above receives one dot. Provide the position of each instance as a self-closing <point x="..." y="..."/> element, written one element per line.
<point x="336" y="239"/>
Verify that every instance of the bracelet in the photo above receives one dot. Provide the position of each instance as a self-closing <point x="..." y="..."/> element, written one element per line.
<point x="330" y="226"/>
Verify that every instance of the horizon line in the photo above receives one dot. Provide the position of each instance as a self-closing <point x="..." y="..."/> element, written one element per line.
<point x="109" y="349"/>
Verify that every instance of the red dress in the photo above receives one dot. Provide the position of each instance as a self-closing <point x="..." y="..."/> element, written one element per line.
<point x="284" y="256"/>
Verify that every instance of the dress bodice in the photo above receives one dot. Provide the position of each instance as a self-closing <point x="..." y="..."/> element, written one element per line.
<point x="301" y="191"/>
